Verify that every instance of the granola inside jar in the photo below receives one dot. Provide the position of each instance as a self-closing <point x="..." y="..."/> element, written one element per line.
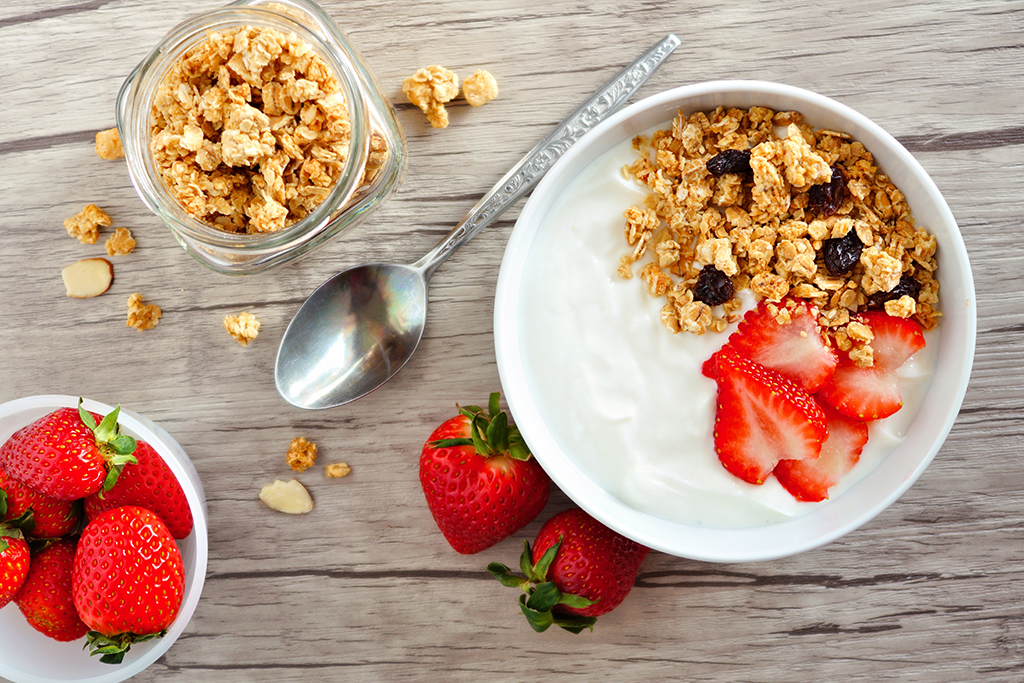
<point x="257" y="132"/>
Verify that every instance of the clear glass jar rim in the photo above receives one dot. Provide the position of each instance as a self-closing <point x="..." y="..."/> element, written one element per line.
<point x="134" y="110"/>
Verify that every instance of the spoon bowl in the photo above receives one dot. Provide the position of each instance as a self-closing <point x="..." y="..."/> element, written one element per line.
<point x="361" y="326"/>
<point x="352" y="334"/>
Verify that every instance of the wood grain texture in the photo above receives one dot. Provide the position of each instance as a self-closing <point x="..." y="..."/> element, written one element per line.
<point x="365" y="588"/>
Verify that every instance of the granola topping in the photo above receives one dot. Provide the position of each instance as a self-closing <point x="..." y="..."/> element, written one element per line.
<point x="250" y="130"/>
<point x="120" y="243"/>
<point x="802" y="212"/>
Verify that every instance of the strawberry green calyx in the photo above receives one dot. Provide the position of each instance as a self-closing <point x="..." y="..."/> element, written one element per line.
<point x="541" y="596"/>
<point x="490" y="432"/>
<point x="116" y="447"/>
<point x="13" y="528"/>
<point x="112" y="649"/>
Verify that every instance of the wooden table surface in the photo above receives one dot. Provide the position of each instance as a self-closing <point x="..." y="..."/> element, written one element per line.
<point x="365" y="588"/>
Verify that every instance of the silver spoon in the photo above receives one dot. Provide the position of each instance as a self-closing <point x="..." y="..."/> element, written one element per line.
<point x="361" y="326"/>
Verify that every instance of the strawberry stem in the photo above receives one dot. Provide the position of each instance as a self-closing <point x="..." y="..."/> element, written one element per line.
<point x="489" y="433"/>
<point x="112" y="649"/>
<point x="540" y="596"/>
<point x="116" y="447"/>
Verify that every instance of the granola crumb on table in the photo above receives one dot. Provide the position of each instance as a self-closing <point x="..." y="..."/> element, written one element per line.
<point x="142" y="316"/>
<point x="120" y="243"/>
<point x="301" y="454"/>
<point x="337" y="470"/>
<point x="243" y="327"/>
<point x="250" y="130"/>
<point x="429" y="89"/>
<point x="108" y="144"/>
<point x="480" y="88"/>
<point x="85" y="225"/>
<point x="764" y="228"/>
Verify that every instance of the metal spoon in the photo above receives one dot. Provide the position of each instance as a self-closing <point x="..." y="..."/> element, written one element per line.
<point x="361" y="326"/>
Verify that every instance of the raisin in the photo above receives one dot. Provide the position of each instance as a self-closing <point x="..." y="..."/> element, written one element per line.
<point x="729" y="161"/>
<point x="907" y="286"/>
<point x="842" y="253"/>
<point x="713" y="286"/>
<point x="828" y="197"/>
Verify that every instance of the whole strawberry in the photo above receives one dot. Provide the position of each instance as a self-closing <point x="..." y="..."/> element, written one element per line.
<point x="479" y="479"/>
<point x="14" y="555"/>
<point x="45" y="598"/>
<point x="51" y="518"/>
<point x="66" y="455"/>
<point x="577" y="570"/>
<point x="149" y="483"/>
<point x="128" y="580"/>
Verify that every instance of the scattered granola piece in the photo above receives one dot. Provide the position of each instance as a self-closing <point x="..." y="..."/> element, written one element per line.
<point x="289" y="497"/>
<point x="337" y="470"/>
<point x="142" y="316"/>
<point x="243" y="327"/>
<point x="108" y="144"/>
<point x="301" y="454"/>
<point x="85" y="225"/>
<point x="480" y="88"/>
<point x="120" y="243"/>
<point x="87" y="278"/>
<point x="429" y="88"/>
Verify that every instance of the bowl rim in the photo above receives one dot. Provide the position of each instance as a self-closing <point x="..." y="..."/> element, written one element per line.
<point x="714" y="545"/>
<point x="180" y="464"/>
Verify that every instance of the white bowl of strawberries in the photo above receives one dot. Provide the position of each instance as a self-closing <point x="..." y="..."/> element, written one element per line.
<point x="92" y="494"/>
<point x="735" y="321"/>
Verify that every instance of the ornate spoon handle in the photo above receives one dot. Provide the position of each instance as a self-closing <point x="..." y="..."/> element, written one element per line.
<point x="517" y="182"/>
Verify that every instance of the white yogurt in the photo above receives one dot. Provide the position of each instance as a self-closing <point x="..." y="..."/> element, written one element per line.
<point x="622" y="395"/>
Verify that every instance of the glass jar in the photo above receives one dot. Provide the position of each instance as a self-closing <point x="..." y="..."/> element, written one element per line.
<point x="350" y="199"/>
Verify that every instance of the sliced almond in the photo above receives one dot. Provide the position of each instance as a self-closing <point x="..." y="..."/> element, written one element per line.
<point x="290" y="497"/>
<point x="88" y="278"/>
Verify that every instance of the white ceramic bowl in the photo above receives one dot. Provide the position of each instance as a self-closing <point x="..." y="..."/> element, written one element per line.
<point x="27" y="656"/>
<point x="878" y="488"/>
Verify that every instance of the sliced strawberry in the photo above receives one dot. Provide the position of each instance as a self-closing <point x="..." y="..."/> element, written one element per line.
<point x="810" y="479"/>
<point x="762" y="418"/>
<point x="896" y="339"/>
<point x="796" y="349"/>
<point x="871" y="393"/>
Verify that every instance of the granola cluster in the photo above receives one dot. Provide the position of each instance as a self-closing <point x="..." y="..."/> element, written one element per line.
<point x="108" y="144"/>
<point x="250" y="130"/>
<point x="301" y="454"/>
<point x="142" y="316"/>
<point x="120" y="243"/>
<point x="765" y="228"/>
<point x="430" y="88"/>
<point x="85" y="225"/>
<point x="243" y="327"/>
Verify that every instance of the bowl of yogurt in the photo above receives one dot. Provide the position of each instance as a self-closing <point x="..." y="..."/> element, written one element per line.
<point x="614" y="405"/>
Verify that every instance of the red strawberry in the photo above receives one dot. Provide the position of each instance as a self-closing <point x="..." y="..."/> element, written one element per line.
<point x="810" y="479"/>
<point x="149" y="483"/>
<point x="871" y="393"/>
<point x="66" y="456"/>
<point x="762" y="418"/>
<point x="795" y="349"/>
<point x="581" y="568"/>
<point x="128" y="580"/>
<point x="45" y="599"/>
<point x="14" y="556"/>
<point x="51" y="518"/>
<point x="478" y="477"/>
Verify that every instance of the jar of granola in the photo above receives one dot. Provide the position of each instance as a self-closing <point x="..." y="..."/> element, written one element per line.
<point x="257" y="133"/>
